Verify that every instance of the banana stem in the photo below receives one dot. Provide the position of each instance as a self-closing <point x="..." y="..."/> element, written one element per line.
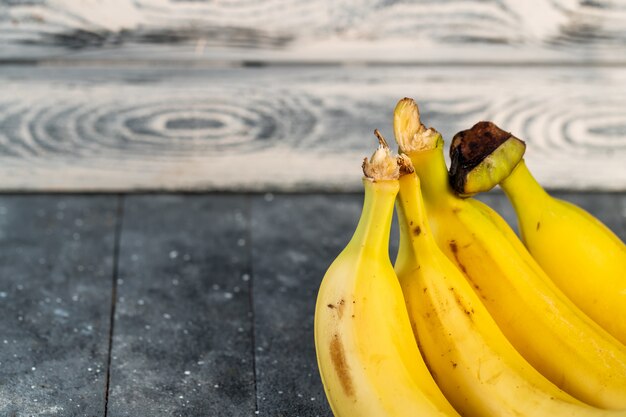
<point x="482" y="157"/>
<point x="372" y="232"/>
<point x="425" y="149"/>
<point x="523" y="190"/>
<point x="415" y="235"/>
<point x="430" y="167"/>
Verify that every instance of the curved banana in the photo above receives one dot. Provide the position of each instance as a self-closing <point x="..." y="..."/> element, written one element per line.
<point x="552" y="334"/>
<point x="368" y="359"/>
<point x="585" y="259"/>
<point x="474" y="364"/>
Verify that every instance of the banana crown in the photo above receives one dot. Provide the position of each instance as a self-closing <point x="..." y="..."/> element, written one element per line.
<point x="411" y="135"/>
<point x="406" y="165"/>
<point x="382" y="166"/>
<point x="482" y="157"/>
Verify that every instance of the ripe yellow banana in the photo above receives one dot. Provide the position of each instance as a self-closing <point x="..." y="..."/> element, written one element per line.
<point x="585" y="259"/>
<point x="474" y="364"/>
<point x="551" y="333"/>
<point x="368" y="359"/>
<point x="579" y="253"/>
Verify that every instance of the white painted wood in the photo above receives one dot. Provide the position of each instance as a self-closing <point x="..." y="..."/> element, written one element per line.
<point x="425" y="31"/>
<point x="289" y="129"/>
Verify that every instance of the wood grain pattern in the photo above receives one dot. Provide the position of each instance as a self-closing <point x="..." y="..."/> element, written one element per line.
<point x="293" y="128"/>
<point x="324" y="31"/>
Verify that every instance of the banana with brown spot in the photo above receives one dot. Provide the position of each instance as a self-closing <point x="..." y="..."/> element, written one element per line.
<point x="368" y="359"/>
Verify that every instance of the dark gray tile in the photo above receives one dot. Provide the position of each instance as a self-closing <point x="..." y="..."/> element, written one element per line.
<point x="56" y="262"/>
<point x="182" y="342"/>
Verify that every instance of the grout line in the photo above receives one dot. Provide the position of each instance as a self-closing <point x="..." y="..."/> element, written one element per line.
<point x="116" y="257"/>
<point x="250" y="272"/>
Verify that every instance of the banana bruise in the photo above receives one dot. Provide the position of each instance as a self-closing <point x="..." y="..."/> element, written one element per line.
<point x="585" y="259"/>
<point x="546" y="327"/>
<point x="368" y="359"/>
<point x="474" y="364"/>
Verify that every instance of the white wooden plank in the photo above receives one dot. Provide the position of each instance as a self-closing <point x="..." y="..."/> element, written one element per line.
<point x="431" y="31"/>
<point x="298" y="129"/>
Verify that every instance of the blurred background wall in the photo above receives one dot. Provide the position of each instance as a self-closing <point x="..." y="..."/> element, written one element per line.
<point x="283" y="95"/>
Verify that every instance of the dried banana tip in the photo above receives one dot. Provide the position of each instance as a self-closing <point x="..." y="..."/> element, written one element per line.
<point x="411" y="135"/>
<point x="382" y="165"/>
<point x="405" y="164"/>
<point x="483" y="156"/>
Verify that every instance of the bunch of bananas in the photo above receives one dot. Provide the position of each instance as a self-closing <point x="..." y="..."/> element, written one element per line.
<point x="470" y="321"/>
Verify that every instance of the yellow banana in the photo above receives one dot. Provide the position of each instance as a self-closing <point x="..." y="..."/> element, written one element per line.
<point x="551" y="333"/>
<point x="368" y="359"/>
<point x="474" y="364"/>
<point x="585" y="259"/>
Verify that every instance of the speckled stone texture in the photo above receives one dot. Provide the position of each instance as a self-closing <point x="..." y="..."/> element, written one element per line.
<point x="182" y="341"/>
<point x="56" y="262"/>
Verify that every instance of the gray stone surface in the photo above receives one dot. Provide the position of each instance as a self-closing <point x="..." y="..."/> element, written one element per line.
<point x="55" y="298"/>
<point x="182" y="343"/>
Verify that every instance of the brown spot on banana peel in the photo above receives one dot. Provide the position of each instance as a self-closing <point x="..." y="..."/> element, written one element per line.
<point x="476" y="287"/>
<point x="417" y="230"/>
<point x="339" y="306"/>
<point x="338" y="359"/>
<point x="481" y="157"/>
<point x="461" y="303"/>
<point x="455" y="251"/>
